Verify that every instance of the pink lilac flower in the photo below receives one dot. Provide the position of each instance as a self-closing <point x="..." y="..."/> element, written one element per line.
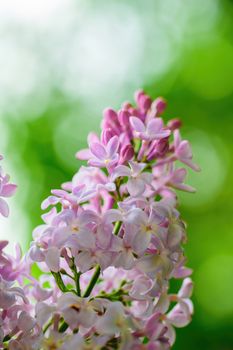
<point x="183" y="151"/>
<point x="154" y="130"/>
<point x="105" y="156"/>
<point x="6" y="190"/>
<point x="109" y="246"/>
<point x="138" y="179"/>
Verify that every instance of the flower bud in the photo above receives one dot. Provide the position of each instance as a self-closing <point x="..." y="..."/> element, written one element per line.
<point x="106" y="135"/>
<point x="143" y="101"/>
<point x="159" y="149"/>
<point x="127" y="153"/>
<point x="123" y="117"/>
<point x="174" y="124"/>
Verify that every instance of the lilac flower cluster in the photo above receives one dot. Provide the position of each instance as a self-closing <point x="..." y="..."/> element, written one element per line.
<point x="110" y="244"/>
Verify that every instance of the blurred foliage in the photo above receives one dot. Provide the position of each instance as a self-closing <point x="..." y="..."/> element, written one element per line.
<point x="68" y="61"/>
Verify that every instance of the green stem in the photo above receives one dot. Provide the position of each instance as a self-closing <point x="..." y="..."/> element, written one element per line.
<point x="93" y="281"/>
<point x="138" y="144"/>
<point x="77" y="280"/>
<point x="63" y="327"/>
<point x="47" y="327"/>
<point x="117" y="227"/>
<point x="6" y="338"/>
<point x="118" y="193"/>
<point x="59" y="281"/>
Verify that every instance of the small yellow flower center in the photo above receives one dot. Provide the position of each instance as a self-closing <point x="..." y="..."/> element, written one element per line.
<point x="51" y="344"/>
<point x="75" y="228"/>
<point x="148" y="228"/>
<point x="107" y="161"/>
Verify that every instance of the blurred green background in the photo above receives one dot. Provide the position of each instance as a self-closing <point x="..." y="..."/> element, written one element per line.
<point x="63" y="61"/>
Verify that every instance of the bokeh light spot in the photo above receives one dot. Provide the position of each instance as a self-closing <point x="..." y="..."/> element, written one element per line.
<point x="212" y="156"/>
<point x="209" y="71"/>
<point x="214" y="285"/>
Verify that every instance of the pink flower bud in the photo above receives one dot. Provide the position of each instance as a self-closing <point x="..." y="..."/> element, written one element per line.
<point x="106" y="135"/>
<point x="161" y="104"/>
<point x="174" y="124"/>
<point x="143" y="101"/>
<point x="157" y="107"/>
<point x="123" y="117"/>
<point x="159" y="149"/>
<point x="127" y="153"/>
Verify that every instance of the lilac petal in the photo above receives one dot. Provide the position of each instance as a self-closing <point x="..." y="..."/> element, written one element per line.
<point x="3" y="244"/>
<point x="113" y="161"/>
<point x="36" y="254"/>
<point x="192" y="165"/>
<point x="150" y="263"/>
<point x="95" y="162"/>
<point x="175" y="236"/>
<point x="184" y="150"/>
<point x="75" y="342"/>
<point x="120" y="170"/>
<point x="184" y="154"/>
<point x="154" y="328"/>
<point x="59" y="193"/>
<point x="162" y="134"/>
<point x="92" y="138"/>
<point x="137" y="124"/>
<point x="67" y="186"/>
<point x="177" y="138"/>
<point x="185" y="188"/>
<point x="147" y="178"/>
<point x="4" y="209"/>
<point x="52" y="259"/>
<point x="154" y="126"/>
<point x="110" y="187"/>
<point x="141" y="286"/>
<point x="84" y="261"/>
<point x="86" y="196"/>
<point x="180" y="315"/>
<point x="85" y="239"/>
<point x="78" y="190"/>
<point x="136" y="216"/>
<point x="112" y="215"/>
<point x="87" y="216"/>
<point x="7" y="299"/>
<point x="47" y="217"/>
<point x="179" y="175"/>
<point x="26" y="322"/>
<point x="98" y="150"/>
<point x="51" y="200"/>
<point x="83" y="154"/>
<point x="155" y="129"/>
<point x="105" y="260"/>
<point x="125" y="260"/>
<point x="60" y="236"/>
<point x="8" y="190"/>
<point x="112" y="146"/>
<point x="141" y="242"/>
<point x="104" y="235"/>
<point x="182" y="272"/>
<point x="43" y="312"/>
<point x="136" y="187"/>
<point x="186" y="288"/>
<point x="170" y="334"/>
<point x="108" y="324"/>
<point x="136" y="168"/>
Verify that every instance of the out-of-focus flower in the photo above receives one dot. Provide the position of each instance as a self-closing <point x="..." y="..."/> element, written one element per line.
<point x="7" y="189"/>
